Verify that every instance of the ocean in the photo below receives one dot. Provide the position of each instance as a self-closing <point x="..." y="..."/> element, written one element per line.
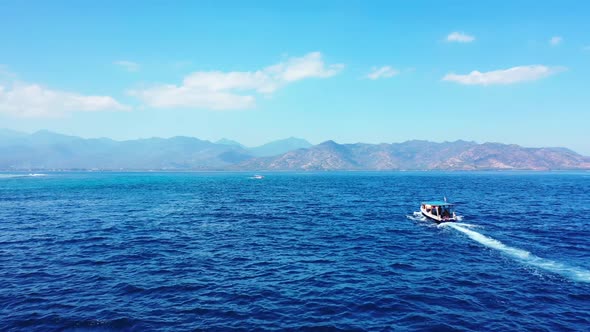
<point x="293" y="251"/>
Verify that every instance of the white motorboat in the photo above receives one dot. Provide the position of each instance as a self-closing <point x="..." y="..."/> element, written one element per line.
<point x="439" y="211"/>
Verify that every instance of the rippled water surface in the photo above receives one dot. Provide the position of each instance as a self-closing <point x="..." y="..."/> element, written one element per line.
<point x="192" y="251"/>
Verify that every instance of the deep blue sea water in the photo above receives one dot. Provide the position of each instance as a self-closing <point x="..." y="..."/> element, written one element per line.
<point x="293" y="251"/>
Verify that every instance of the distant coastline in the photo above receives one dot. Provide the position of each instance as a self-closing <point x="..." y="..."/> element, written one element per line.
<point x="48" y="151"/>
<point x="248" y="172"/>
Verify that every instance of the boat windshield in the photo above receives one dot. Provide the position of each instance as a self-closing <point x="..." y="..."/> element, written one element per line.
<point x="447" y="211"/>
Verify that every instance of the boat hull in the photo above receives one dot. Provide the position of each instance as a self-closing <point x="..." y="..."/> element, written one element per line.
<point x="435" y="218"/>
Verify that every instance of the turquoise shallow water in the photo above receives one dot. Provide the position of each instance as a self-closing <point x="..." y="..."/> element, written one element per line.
<point x="221" y="251"/>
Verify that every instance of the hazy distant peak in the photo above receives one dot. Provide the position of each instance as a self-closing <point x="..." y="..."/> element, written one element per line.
<point x="328" y="143"/>
<point x="293" y="138"/>
<point x="45" y="132"/>
<point x="186" y="138"/>
<point x="226" y="141"/>
<point x="53" y="135"/>
<point x="280" y="146"/>
<point x="50" y="137"/>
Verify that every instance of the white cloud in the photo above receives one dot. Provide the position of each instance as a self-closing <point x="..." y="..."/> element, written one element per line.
<point x="382" y="72"/>
<point x="33" y="100"/>
<point x="235" y="90"/>
<point x="555" y="40"/>
<point x="460" y="37"/>
<point x="504" y="76"/>
<point x="128" y="65"/>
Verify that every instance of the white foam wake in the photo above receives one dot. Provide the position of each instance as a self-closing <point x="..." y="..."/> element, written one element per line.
<point x="462" y="224"/>
<point x="416" y="216"/>
<point x="571" y="272"/>
<point x="22" y="175"/>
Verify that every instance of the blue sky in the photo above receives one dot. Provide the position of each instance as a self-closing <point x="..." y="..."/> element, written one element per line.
<point x="390" y="71"/>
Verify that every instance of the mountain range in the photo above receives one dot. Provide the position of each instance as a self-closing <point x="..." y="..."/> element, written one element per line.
<point x="44" y="150"/>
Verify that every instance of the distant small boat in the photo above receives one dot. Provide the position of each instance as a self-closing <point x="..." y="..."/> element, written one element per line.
<point x="258" y="177"/>
<point x="439" y="211"/>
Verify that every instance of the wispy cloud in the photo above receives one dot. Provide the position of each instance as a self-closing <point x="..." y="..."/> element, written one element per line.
<point x="6" y="74"/>
<point x="128" y="65"/>
<point x="555" y="40"/>
<point x="460" y="37"/>
<point x="34" y="100"/>
<point x="504" y="76"/>
<point x="382" y="72"/>
<point x="586" y="48"/>
<point x="235" y="90"/>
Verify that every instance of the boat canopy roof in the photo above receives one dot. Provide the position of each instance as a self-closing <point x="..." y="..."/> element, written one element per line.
<point x="438" y="203"/>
